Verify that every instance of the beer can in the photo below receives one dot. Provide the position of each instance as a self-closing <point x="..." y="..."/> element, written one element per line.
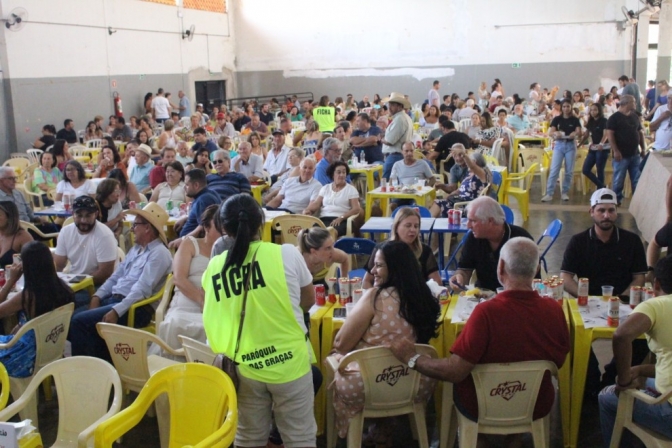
<point x="647" y="294"/>
<point x="332" y="282"/>
<point x="635" y="296"/>
<point x="584" y="286"/>
<point x="183" y="208"/>
<point x="344" y="290"/>
<point x="356" y="295"/>
<point x="132" y="205"/>
<point x="319" y="295"/>
<point x="383" y="185"/>
<point x="613" y="312"/>
<point x="358" y="281"/>
<point x="3" y="280"/>
<point x="457" y="217"/>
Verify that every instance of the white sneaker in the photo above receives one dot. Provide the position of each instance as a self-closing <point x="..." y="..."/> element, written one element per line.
<point x="565" y="197"/>
<point x="547" y="198"/>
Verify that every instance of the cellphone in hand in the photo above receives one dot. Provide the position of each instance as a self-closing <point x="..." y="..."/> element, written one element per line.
<point x="77" y="279"/>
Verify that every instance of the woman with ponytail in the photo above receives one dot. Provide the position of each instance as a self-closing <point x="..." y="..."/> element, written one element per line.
<point x="255" y="297"/>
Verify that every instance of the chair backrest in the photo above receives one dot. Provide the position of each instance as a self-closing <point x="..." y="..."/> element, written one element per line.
<point x="464" y="124"/>
<point x="388" y="383"/>
<point x="69" y="220"/>
<point x="496" y="181"/>
<point x="168" y="291"/>
<point x="143" y="198"/>
<point x="196" y="351"/>
<point x="507" y="393"/>
<point x="424" y="211"/>
<point x="453" y="258"/>
<point x="530" y="156"/>
<point x="529" y="174"/>
<point x="289" y="226"/>
<point x="121" y="256"/>
<point x="189" y="386"/>
<point x="355" y="246"/>
<point x="17" y="163"/>
<point x="497" y="152"/>
<point x="552" y="232"/>
<point x="95" y="143"/>
<point x="508" y="213"/>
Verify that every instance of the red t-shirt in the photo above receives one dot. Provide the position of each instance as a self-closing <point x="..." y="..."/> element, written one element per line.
<point x="157" y="175"/>
<point x="514" y="326"/>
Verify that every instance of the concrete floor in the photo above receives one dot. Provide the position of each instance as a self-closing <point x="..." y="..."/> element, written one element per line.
<point x="575" y="217"/>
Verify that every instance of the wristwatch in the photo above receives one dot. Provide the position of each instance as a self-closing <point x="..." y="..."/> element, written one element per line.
<point x="412" y="361"/>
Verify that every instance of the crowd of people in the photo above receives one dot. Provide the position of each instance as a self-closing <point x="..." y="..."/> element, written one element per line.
<point x="172" y="155"/>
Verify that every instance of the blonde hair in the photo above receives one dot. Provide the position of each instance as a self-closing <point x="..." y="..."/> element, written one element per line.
<point x="312" y="238"/>
<point x="403" y="213"/>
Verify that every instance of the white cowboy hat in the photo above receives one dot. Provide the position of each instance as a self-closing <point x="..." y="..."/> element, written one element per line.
<point x="145" y="149"/>
<point x="397" y="98"/>
<point x="154" y="215"/>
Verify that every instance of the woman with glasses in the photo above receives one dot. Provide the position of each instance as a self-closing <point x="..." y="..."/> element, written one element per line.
<point x="173" y="188"/>
<point x="74" y="182"/>
<point x="12" y="236"/>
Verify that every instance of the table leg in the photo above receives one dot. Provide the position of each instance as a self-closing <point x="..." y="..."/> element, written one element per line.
<point x="441" y="255"/>
<point x="582" y="343"/>
<point x="367" y="212"/>
<point x="369" y="180"/>
<point x="565" y="393"/>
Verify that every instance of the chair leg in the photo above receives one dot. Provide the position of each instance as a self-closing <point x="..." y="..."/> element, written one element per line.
<point x="541" y="432"/>
<point x="468" y="431"/>
<point x="355" y="430"/>
<point x="418" y="417"/>
<point x="624" y="410"/>
<point x="448" y="424"/>
<point x="331" y="423"/>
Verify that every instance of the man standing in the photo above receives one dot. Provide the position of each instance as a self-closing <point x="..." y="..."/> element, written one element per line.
<point x="202" y="141"/>
<point x="398" y="132"/>
<point x="88" y="245"/>
<point x="256" y="125"/>
<point x="624" y="131"/>
<point x="185" y="105"/>
<point x="226" y="183"/>
<point x="517" y="317"/>
<point x="630" y="87"/>
<point x="160" y="107"/>
<point x="276" y="161"/>
<point x="518" y="121"/>
<point x="248" y="164"/>
<point x="195" y="187"/>
<point x="139" y="174"/>
<point x="68" y="132"/>
<point x="450" y="137"/>
<point x="298" y="192"/>
<point x="158" y="173"/>
<point x="265" y="115"/>
<point x="367" y="138"/>
<point x="433" y="98"/>
<point x="141" y="275"/>
<point x="481" y="251"/>
<point x="122" y="131"/>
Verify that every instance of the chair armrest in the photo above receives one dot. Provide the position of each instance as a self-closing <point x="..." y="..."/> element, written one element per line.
<point x="515" y="177"/>
<point x="648" y="399"/>
<point x="350" y="225"/>
<point x="332" y="363"/>
<point x="224" y="435"/>
<point x="161" y="343"/>
<point x="119" y="424"/>
<point x="136" y="305"/>
<point x="87" y="434"/>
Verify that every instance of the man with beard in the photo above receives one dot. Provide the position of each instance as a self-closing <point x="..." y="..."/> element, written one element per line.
<point x="89" y="246"/>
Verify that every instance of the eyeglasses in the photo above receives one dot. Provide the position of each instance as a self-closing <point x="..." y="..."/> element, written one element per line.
<point x="137" y="223"/>
<point x="13" y="178"/>
<point x="217" y="162"/>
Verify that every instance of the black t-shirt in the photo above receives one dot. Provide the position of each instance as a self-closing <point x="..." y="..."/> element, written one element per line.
<point x="626" y="132"/>
<point x="69" y="136"/>
<point x="664" y="236"/>
<point x="597" y="130"/>
<point x="265" y="117"/>
<point x="427" y="260"/>
<point x="566" y="125"/>
<point x="446" y="142"/>
<point x="611" y="263"/>
<point x="363" y="104"/>
<point x="242" y="121"/>
<point x="477" y="254"/>
<point x="48" y="141"/>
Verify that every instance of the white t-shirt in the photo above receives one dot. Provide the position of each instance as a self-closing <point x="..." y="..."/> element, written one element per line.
<point x="161" y="107"/>
<point x="297" y="276"/>
<point x="276" y="164"/>
<point x="337" y="203"/>
<point x="85" y="252"/>
<point x="87" y="188"/>
<point x="297" y="195"/>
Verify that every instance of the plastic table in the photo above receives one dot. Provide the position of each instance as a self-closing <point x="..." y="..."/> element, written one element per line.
<point x="420" y="197"/>
<point x="369" y="171"/>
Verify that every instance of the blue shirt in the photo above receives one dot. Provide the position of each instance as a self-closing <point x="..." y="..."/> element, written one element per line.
<point x="141" y="275"/>
<point x="321" y="172"/>
<point x="184" y="102"/>
<point x="140" y="175"/>
<point x="202" y="200"/>
<point x="25" y="210"/>
<point x="229" y="184"/>
<point x="518" y="123"/>
<point x="209" y="145"/>
<point x="371" y="153"/>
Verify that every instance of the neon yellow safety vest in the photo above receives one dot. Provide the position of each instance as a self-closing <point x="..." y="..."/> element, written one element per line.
<point x="273" y="346"/>
<point x="325" y="118"/>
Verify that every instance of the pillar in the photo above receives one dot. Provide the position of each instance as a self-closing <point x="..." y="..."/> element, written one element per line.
<point x="642" y="50"/>
<point x="664" y="41"/>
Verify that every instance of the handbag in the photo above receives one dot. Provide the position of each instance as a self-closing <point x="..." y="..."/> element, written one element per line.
<point x="223" y="362"/>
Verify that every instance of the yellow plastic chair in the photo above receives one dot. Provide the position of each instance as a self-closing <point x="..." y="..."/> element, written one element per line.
<point x="4" y="383"/>
<point x="19" y="164"/>
<point x="83" y="388"/>
<point x="196" y="351"/>
<point x="35" y="199"/>
<point x="151" y="327"/>
<point x="202" y="404"/>
<point x="380" y="398"/>
<point x="46" y="236"/>
<point x="51" y="330"/>
<point x="522" y="195"/>
<point x="289" y="226"/>
<point x="539" y="156"/>
<point x="462" y="205"/>
<point x="509" y="411"/>
<point x="626" y="403"/>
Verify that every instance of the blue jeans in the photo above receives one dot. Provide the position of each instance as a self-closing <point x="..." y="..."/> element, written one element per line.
<point x="596" y="159"/>
<point x="629" y="165"/>
<point x="390" y="159"/>
<point x="656" y="418"/>
<point x="563" y="150"/>
<point x="83" y="334"/>
<point x="82" y="301"/>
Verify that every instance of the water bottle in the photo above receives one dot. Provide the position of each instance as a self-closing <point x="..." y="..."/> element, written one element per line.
<point x="362" y="158"/>
<point x="352" y="160"/>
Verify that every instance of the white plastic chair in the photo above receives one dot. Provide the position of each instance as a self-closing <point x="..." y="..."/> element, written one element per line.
<point x="196" y="351"/>
<point x="51" y="330"/>
<point x="464" y="125"/>
<point x="626" y="403"/>
<point x="83" y="389"/>
<point x="497" y="151"/>
<point x="381" y="398"/>
<point x="507" y="394"/>
<point x="95" y="143"/>
<point x="34" y="155"/>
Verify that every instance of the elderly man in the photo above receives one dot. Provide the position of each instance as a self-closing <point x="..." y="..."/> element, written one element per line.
<point x="223" y="126"/>
<point x="410" y="169"/>
<point x="653" y="319"/>
<point x="8" y="192"/>
<point x="183" y="155"/>
<point x="397" y="133"/>
<point x="201" y="111"/>
<point x="139" y="174"/>
<point x="367" y="138"/>
<point x="196" y="188"/>
<point x="276" y="161"/>
<point x="184" y="105"/>
<point x="247" y="163"/>
<point x="202" y="141"/>
<point x="458" y="171"/>
<point x="122" y="131"/>
<point x="517" y="317"/>
<point x="256" y="125"/>
<point x="226" y="182"/>
<point x="240" y="119"/>
<point x="518" y="121"/>
<point x="141" y="275"/>
<point x="89" y="246"/>
<point x="481" y="251"/>
<point x="332" y="152"/>
<point x="298" y="192"/>
<point x="158" y="173"/>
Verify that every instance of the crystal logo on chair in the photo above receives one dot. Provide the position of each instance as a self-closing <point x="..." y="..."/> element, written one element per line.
<point x="508" y="389"/>
<point x="392" y="374"/>
<point x="124" y="350"/>
<point x="55" y="333"/>
<point x="294" y="230"/>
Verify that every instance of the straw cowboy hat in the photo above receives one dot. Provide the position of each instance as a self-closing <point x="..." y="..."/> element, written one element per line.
<point x="145" y="149"/>
<point x="398" y="98"/>
<point x="154" y="215"/>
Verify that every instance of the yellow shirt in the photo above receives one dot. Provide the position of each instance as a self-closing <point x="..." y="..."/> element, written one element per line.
<point x="325" y="118"/>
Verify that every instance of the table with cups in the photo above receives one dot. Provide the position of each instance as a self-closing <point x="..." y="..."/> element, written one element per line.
<point x="419" y="192"/>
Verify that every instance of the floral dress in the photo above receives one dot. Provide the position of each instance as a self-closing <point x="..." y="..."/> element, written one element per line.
<point x="470" y="189"/>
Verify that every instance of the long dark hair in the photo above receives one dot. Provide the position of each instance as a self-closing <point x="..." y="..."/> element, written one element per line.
<point x="81" y="175"/>
<point x="9" y="208"/>
<point x="43" y="289"/>
<point x="117" y="174"/>
<point x="416" y="304"/>
<point x="59" y="148"/>
<point x="592" y="122"/>
<point x="241" y="218"/>
<point x="115" y="154"/>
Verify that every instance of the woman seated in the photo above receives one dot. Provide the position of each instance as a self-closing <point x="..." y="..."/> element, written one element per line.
<point x="92" y="132"/>
<point x="475" y="125"/>
<point x="336" y="201"/>
<point x="478" y="177"/>
<point x="108" y="196"/>
<point x="48" y="137"/>
<point x="201" y="161"/>
<point x="74" y="182"/>
<point x="168" y="138"/>
<point x="43" y="292"/>
<point x="312" y="138"/>
<point x="488" y="135"/>
<point x="226" y="144"/>
<point x="317" y="247"/>
<point x="431" y="120"/>
<point x="399" y="305"/>
<point x="185" y="313"/>
<point x="406" y="228"/>
<point x="173" y="188"/>
<point x="109" y="159"/>
<point x="12" y="236"/>
<point x="294" y="159"/>
<point x="61" y="153"/>
<point x="257" y="148"/>
<point x="46" y="176"/>
<point x="294" y="114"/>
<point x="129" y="192"/>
